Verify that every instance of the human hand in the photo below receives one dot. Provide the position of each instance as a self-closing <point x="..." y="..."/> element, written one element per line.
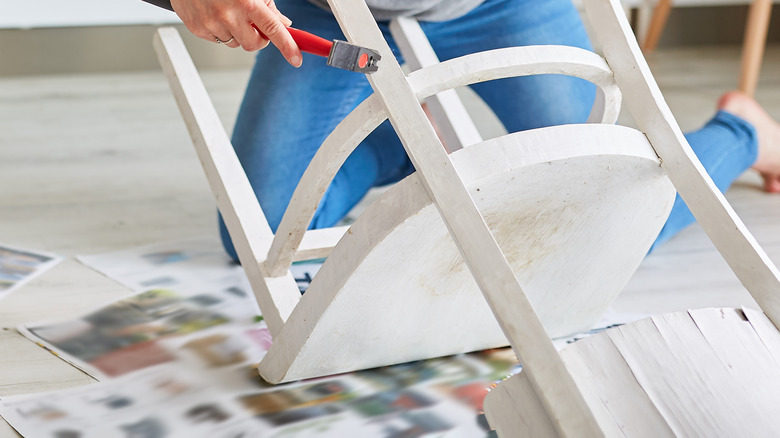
<point x="231" y="22"/>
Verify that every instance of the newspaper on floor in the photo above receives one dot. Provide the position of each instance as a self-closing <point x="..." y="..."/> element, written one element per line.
<point x="209" y="388"/>
<point x="128" y="335"/>
<point x="189" y="285"/>
<point x="194" y="264"/>
<point x="181" y="363"/>
<point x="18" y="266"/>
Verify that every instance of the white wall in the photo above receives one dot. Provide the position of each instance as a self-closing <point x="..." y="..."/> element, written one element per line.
<point x="64" y="13"/>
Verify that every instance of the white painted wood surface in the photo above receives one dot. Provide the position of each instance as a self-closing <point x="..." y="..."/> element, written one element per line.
<point x="317" y="244"/>
<point x="585" y="218"/>
<point x="452" y="195"/>
<point x="513" y="410"/>
<point x="298" y="352"/>
<point x="644" y="100"/>
<point x="453" y="122"/>
<point x="471" y="234"/>
<point x="516" y="61"/>
<point x="677" y="374"/>
<point x="245" y="220"/>
<point x="337" y="326"/>
<point x="709" y="372"/>
<point x="522" y="61"/>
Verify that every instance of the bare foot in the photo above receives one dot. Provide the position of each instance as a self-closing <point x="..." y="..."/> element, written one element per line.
<point x="768" y="162"/>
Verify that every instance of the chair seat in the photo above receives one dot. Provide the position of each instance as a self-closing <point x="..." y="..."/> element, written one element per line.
<point x="560" y="201"/>
<point x="707" y="373"/>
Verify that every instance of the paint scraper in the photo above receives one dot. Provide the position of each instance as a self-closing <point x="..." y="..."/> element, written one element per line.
<point x="339" y="54"/>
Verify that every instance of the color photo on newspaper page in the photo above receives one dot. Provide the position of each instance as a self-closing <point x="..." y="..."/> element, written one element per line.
<point x="126" y="335"/>
<point x="209" y="391"/>
<point x="18" y="266"/>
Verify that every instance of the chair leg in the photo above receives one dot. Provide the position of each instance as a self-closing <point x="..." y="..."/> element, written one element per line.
<point x="753" y="45"/>
<point x="657" y="24"/>
<point x="641" y="23"/>
<point x="235" y="198"/>
<point x="735" y="243"/>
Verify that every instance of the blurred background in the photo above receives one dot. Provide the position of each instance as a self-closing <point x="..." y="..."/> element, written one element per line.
<point x="113" y="35"/>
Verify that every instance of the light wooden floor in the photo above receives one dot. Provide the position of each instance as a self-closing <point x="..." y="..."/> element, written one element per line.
<point x="90" y="164"/>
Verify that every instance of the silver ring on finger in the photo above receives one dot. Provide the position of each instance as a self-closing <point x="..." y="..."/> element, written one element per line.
<point x="219" y="41"/>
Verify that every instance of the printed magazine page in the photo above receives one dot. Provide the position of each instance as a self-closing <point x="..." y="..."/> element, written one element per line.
<point x="206" y="386"/>
<point x="126" y="335"/>
<point x="179" y="360"/>
<point x="18" y="266"/>
<point x="194" y="264"/>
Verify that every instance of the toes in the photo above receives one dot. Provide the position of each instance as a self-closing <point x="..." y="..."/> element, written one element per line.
<point x="772" y="183"/>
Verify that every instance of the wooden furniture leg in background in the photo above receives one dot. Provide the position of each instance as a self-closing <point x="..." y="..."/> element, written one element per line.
<point x="641" y="19"/>
<point x="753" y="45"/>
<point x="657" y="24"/>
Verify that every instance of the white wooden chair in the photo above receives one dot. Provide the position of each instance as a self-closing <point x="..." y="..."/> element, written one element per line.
<point x="547" y="224"/>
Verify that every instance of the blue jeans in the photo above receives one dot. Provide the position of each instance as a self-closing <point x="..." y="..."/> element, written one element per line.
<point x="287" y="112"/>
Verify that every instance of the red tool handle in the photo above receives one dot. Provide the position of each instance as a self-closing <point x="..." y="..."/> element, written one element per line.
<point x="311" y="43"/>
<point x="307" y="42"/>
